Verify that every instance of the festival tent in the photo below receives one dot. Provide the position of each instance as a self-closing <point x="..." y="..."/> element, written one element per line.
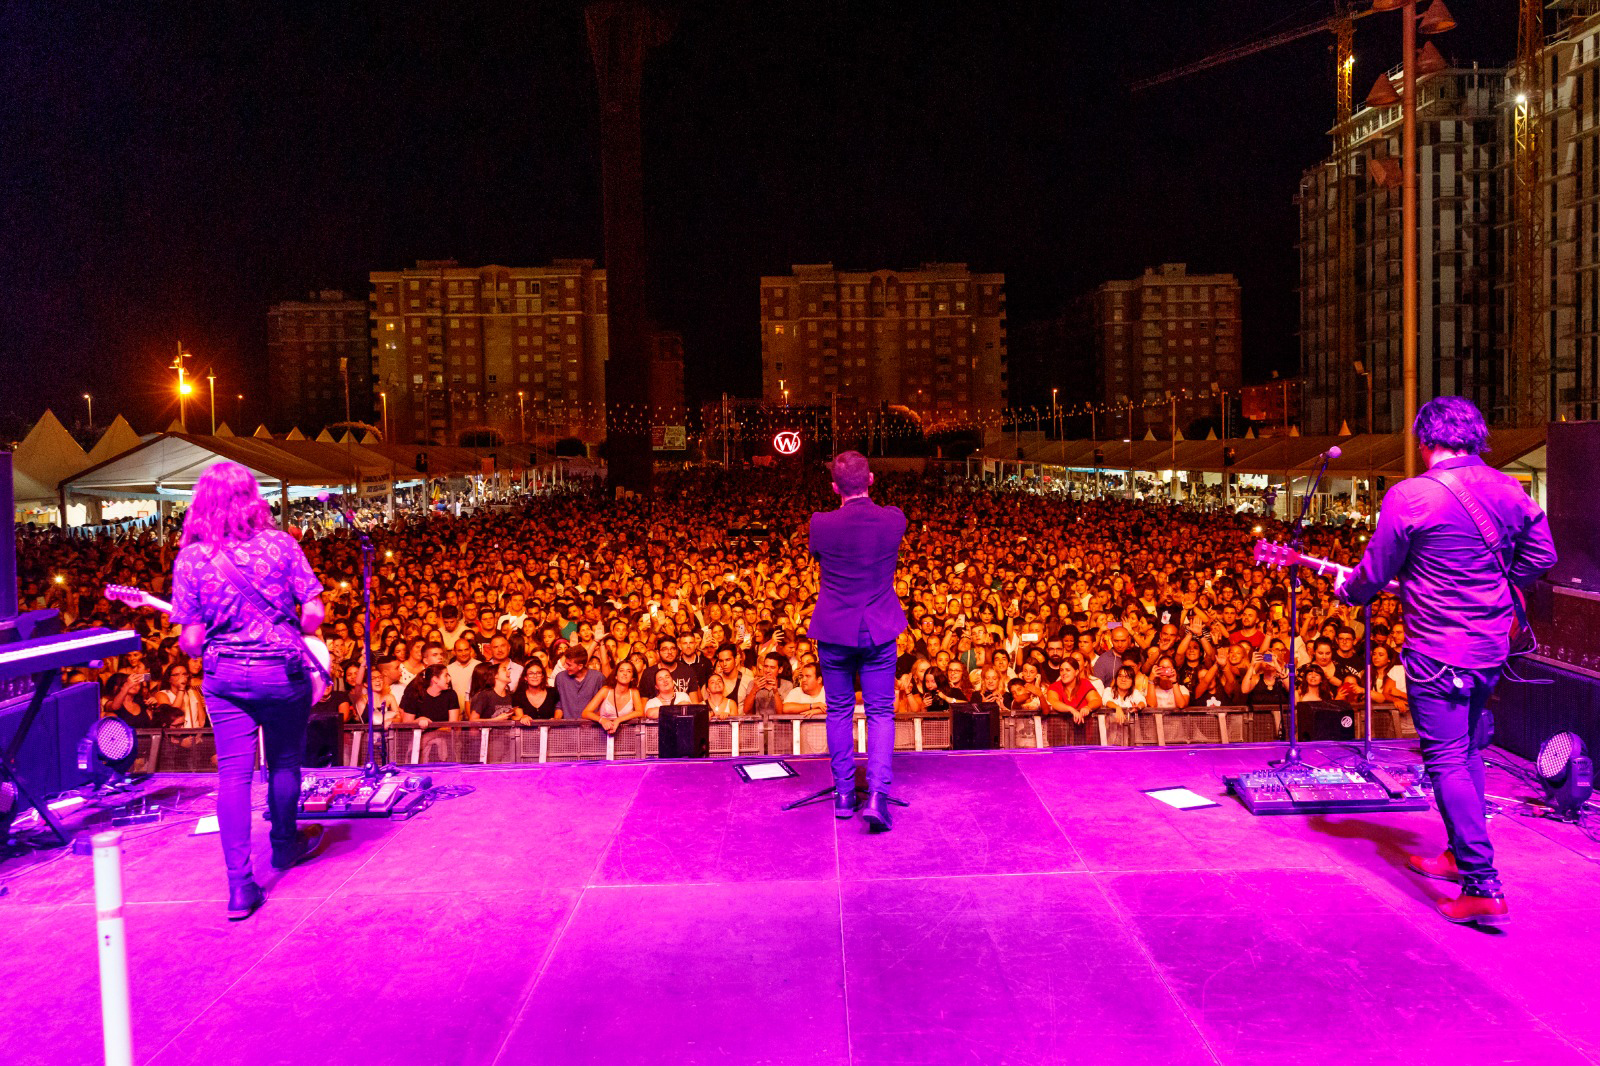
<point x="118" y="438"/>
<point x="45" y="456"/>
<point x="165" y="468"/>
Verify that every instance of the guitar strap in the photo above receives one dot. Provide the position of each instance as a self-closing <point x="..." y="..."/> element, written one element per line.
<point x="252" y="596"/>
<point x="1475" y="511"/>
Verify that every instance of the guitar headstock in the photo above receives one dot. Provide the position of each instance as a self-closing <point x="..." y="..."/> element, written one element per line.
<point x="131" y="596"/>
<point x="1272" y="554"/>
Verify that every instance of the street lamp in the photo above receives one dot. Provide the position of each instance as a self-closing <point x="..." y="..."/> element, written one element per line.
<point x="1372" y="489"/>
<point x="384" y="396"/>
<point x="90" y="401"/>
<point x="1055" y="413"/>
<point x="211" y="383"/>
<point x="184" y="388"/>
<point x="238" y="408"/>
<point x="522" y="417"/>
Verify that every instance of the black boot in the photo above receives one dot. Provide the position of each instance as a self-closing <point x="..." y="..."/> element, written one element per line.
<point x="876" y="812"/>
<point x="845" y="804"/>
<point x="244" y="901"/>
<point x="303" y="847"/>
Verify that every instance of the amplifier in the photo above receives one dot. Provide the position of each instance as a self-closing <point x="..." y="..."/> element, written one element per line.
<point x="48" y="761"/>
<point x="684" y="732"/>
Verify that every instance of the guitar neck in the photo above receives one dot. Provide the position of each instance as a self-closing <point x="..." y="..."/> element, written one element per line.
<point x="1332" y="569"/>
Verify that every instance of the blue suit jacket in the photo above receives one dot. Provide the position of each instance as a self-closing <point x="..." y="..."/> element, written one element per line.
<point x="858" y="546"/>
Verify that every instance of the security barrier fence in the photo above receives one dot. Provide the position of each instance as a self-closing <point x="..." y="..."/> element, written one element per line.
<point x="486" y="743"/>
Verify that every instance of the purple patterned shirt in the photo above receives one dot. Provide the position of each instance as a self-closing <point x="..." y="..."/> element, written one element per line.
<point x="272" y="562"/>
<point x="1457" y="606"/>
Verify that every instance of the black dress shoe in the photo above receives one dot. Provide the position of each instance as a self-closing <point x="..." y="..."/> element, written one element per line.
<point x="245" y="901"/>
<point x="304" y="847"/>
<point x="844" y="804"/>
<point x="876" y="812"/>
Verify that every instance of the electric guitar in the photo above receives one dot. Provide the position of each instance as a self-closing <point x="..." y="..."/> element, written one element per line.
<point x="317" y="655"/>
<point x="1521" y="635"/>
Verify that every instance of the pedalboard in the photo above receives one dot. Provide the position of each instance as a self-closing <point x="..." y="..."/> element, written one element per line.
<point x="326" y="796"/>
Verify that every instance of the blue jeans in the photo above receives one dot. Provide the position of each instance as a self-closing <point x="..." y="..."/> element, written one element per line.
<point x="1454" y="725"/>
<point x="840" y="663"/>
<point x="242" y="692"/>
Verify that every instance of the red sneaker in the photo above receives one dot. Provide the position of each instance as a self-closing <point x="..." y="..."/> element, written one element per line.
<point x="1440" y="867"/>
<point x="1479" y="910"/>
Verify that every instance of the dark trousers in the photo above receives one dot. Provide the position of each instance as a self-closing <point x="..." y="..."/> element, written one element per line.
<point x="840" y="664"/>
<point x="1454" y="725"/>
<point x="242" y="692"/>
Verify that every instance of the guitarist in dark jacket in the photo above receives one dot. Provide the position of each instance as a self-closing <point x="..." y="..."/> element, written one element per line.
<point x="1460" y="607"/>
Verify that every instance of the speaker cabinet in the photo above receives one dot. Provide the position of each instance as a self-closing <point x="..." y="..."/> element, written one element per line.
<point x="48" y="761"/>
<point x="974" y="727"/>
<point x="1573" y="455"/>
<point x="1324" y="720"/>
<point x="685" y="732"/>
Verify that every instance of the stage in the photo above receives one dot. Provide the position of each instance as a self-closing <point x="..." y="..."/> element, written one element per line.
<point x="1029" y="907"/>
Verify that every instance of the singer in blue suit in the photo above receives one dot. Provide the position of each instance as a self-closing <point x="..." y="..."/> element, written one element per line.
<point x="857" y="618"/>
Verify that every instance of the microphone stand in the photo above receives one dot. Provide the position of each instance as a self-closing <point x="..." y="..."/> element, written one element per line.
<point x="1291" y="756"/>
<point x="375" y="767"/>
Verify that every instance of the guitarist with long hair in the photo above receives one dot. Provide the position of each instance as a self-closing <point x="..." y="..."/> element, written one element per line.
<point x="1463" y="539"/>
<point x="235" y="586"/>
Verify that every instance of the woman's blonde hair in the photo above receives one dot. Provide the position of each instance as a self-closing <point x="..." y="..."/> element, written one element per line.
<point x="227" y="507"/>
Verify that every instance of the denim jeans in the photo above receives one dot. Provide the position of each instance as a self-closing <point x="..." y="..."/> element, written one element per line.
<point x="242" y="692"/>
<point x="840" y="663"/>
<point x="1454" y="725"/>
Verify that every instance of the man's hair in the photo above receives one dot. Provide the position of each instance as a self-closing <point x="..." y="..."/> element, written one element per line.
<point x="851" y="473"/>
<point x="730" y="647"/>
<point x="1451" y="422"/>
<point x="576" y="654"/>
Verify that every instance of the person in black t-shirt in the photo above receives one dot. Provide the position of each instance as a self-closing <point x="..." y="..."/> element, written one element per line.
<point x="429" y="699"/>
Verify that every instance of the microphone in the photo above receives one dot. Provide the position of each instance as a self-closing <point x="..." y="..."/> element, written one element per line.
<point x="1332" y="453"/>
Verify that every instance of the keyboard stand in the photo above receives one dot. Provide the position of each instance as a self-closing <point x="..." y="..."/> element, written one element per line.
<point x="42" y="683"/>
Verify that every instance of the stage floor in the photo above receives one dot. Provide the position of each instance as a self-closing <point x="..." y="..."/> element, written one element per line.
<point x="1029" y="907"/>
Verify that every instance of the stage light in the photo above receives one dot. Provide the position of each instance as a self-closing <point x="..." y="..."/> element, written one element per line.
<point x="8" y="808"/>
<point x="60" y="579"/>
<point x="185" y="389"/>
<point x="1567" y="774"/>
<point x="107" y="752"/>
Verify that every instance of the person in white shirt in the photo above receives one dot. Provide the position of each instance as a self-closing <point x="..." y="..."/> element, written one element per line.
<point x="460" y="669"/>
<point x="807" y="696"/>
<point x="666" y="692"/>
<point x="516" y="611"/>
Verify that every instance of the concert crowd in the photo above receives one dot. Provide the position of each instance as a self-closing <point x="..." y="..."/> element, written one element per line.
<point x="572" y="605"/>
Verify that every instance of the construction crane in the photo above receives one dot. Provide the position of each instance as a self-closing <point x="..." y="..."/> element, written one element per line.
<point x="1342" y="25"/>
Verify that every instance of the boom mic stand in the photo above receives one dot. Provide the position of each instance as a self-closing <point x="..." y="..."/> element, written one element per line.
<point x="1291" y="755"/>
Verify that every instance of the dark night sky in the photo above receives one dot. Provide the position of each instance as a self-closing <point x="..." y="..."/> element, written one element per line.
<point x="170" y="170"/>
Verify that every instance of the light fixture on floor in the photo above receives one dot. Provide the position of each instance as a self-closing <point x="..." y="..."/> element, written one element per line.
<point x="107" y="752"/>
<point x="1567" y="774"/>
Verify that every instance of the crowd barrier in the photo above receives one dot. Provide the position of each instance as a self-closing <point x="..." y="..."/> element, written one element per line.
<point x="498" y="743"/>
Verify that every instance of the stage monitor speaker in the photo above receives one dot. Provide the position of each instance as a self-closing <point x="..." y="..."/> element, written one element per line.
<point x="974" y="727"/>
<point x="685" y="732"/>
<point x="48" y="761"/>
<point x="1328" y="721"/>
<point x="1573" y="456"/>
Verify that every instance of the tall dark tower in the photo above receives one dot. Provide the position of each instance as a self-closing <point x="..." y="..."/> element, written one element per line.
<point x="620" y="33"/>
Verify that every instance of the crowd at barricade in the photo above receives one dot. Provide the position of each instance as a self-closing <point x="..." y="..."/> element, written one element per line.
<point x="572" y="605"/>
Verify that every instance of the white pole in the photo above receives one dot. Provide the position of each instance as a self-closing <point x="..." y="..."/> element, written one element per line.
<point x="113" y="940"/>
